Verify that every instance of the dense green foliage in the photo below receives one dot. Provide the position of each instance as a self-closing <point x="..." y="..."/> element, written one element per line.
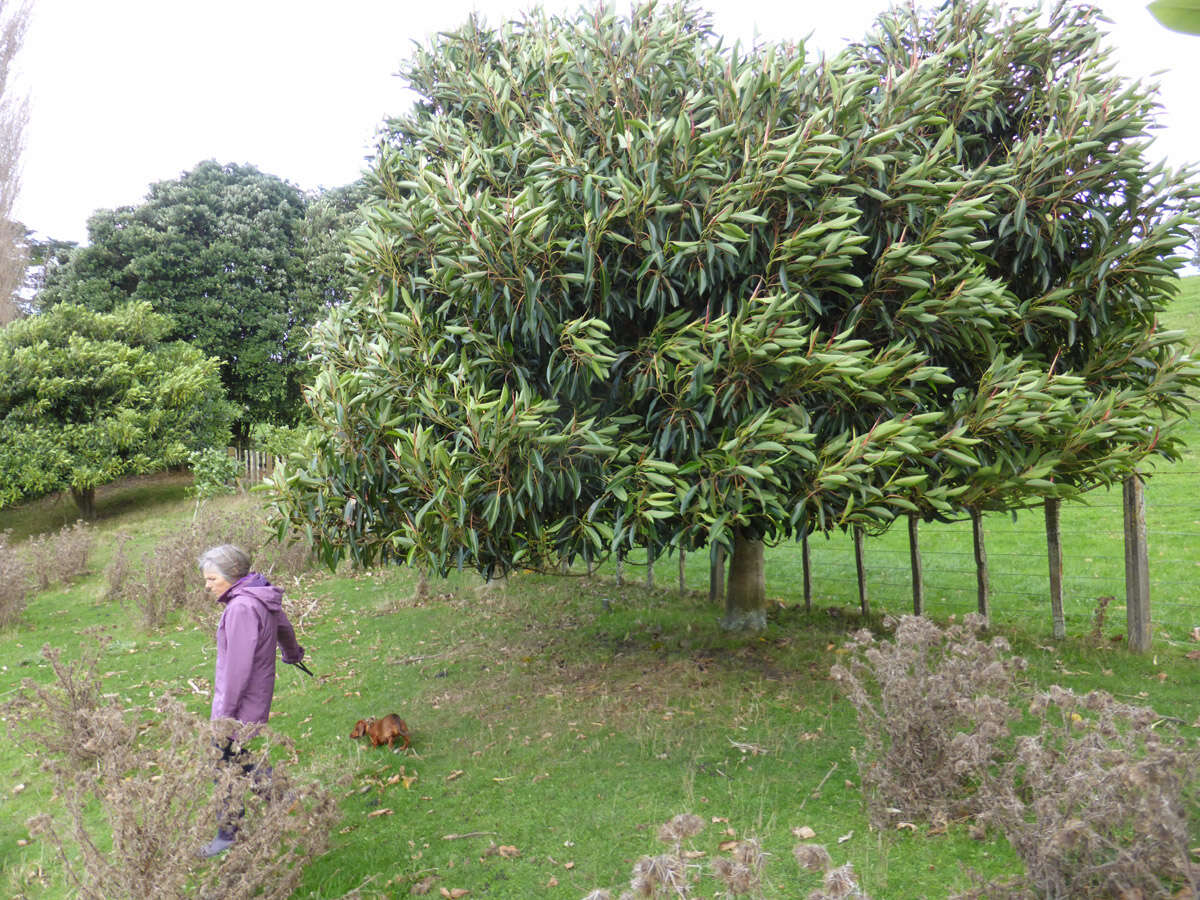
<point x="231" y="254"/>
<point x="626" y="286"/>
<point x="89" y="397"/>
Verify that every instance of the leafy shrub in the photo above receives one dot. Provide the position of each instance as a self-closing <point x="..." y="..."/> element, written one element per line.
<point x="16" y="582"/>
<point x="214" y="472"/>
<point x="932" y="708"/>
<point x="59" y="557"/>
<point x="1099" y="802"/>
<point x="278" y="440"/>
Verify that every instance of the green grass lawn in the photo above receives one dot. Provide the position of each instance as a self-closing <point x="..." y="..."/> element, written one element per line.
<point x="563" y="719"/>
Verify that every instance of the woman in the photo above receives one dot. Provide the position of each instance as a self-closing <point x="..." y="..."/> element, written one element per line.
<point x="252" y="625"/>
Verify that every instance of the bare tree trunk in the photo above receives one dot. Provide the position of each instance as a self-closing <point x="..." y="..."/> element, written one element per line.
<point x="682" y="572"/>
<point x="918" y="569"/>
<point x="716" y="576"/>
<point x="983" y="587"/>
<point x="649" y="568"/>
<point x="620" y="568"/>
<point x="860" y="566"/>
<point x="746" y="593"/>
<point x="85" y="500"/>
<point x="1055" y="559"/>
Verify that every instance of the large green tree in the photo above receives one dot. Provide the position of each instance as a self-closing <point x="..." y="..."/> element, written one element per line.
<point x="624" y="286"/>
<point x="89" y="397"/>
<point x="222" y="250"/>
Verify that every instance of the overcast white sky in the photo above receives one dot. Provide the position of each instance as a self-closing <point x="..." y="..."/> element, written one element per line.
<point x="128" y="92"/>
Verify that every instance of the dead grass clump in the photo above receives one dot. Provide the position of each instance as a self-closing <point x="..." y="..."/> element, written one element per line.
<point x="1100" y="801"/>
<point x="740" y="872"/>
<point x="16" y="582"/>
<point x="58" y="557"/>
<point x="162" y="793"/>
<point x="933" y="710"/>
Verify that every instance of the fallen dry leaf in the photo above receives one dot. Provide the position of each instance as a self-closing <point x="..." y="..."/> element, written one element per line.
<point x="804" y="833"/>
<point x="902" y="825"/>
<point x="693" y="854"/>
<point x="453" y="894"/>
<point x="845" y="837"/>
<point x="569" y="865"/>
<point x="379" y="812"/>
<point x="457" y="773"/>
<point x="726" y="846"/>
<point x="553" y="882"/>
<point x="424" y="886"/>
<point x="509" y="852"/>
<point x="1195" y="654"/>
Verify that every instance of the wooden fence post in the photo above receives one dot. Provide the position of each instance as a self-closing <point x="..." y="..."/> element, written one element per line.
<point x="860" y="565"/>
<point x="1137" y="567"/>
<point x="1055" y="559"/>
<point x="914" y="558"/>
<point x="806" y="566"/>
<point x="983" y="589"/>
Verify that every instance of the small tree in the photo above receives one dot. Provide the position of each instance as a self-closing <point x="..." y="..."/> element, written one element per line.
<point x="622" y="286"/>
<point x="90" y="397"/>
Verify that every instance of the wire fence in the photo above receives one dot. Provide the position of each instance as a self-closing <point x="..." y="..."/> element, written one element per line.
<point x="1092" y="536"/>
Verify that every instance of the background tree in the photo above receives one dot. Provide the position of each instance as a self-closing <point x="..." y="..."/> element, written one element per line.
<point x="90" y="397"/>
<point x="623" y="286"/>
<point x="14" y="18"/>
<point x="220" y="250"/>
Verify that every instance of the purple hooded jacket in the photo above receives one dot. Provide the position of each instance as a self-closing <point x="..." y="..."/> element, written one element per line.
<point x="251" y="627"/>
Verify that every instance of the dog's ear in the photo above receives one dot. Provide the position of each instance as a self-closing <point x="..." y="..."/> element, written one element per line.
<point x="360" y="728"/>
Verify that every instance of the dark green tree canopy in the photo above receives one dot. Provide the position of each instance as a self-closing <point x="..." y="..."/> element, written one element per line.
<point x="223" y="250"/>
<point x="623" y="285"/>
<point x="90" y="397"/>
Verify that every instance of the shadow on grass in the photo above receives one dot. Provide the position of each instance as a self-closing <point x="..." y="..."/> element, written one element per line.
<point x="137" y="494"/>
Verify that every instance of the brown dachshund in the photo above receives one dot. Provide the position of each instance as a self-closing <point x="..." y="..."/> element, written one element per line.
<point x="383" y="731"/>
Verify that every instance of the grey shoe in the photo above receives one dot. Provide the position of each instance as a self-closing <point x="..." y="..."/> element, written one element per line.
<point x="216" y="846"/>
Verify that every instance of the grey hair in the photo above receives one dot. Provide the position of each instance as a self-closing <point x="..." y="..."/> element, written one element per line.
<point x="232" y="562"/>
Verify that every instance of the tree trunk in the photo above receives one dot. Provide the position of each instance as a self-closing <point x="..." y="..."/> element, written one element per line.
<point x="620" y="569"/>
<point x="983" y="588"/>
<point x="860" y="566"/>
<point x="746" y="593"/>
<point x="1054" y="557"/>
<point x="716" y="576"/>
<point x="682" y="575"/>
<point x="649" y="569"/>
<point x="85" y="500"/>
<point x="918" y="569"/>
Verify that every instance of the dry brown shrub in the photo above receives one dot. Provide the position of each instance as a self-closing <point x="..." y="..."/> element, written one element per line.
<point x="58" y="557"/>
<point x="161" y="793"/>
<point x="68" y="719"/>
<point x="16" y="582"/>
<point x="166" y="579"/>
<point x="933" y="711"/>
<point x="1100" y="801"/>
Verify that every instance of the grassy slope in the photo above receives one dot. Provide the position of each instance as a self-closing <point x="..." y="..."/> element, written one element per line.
<point x="563" y="717"/>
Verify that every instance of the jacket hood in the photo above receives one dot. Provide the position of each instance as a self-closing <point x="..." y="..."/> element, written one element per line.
<point x="257" y="588"/>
